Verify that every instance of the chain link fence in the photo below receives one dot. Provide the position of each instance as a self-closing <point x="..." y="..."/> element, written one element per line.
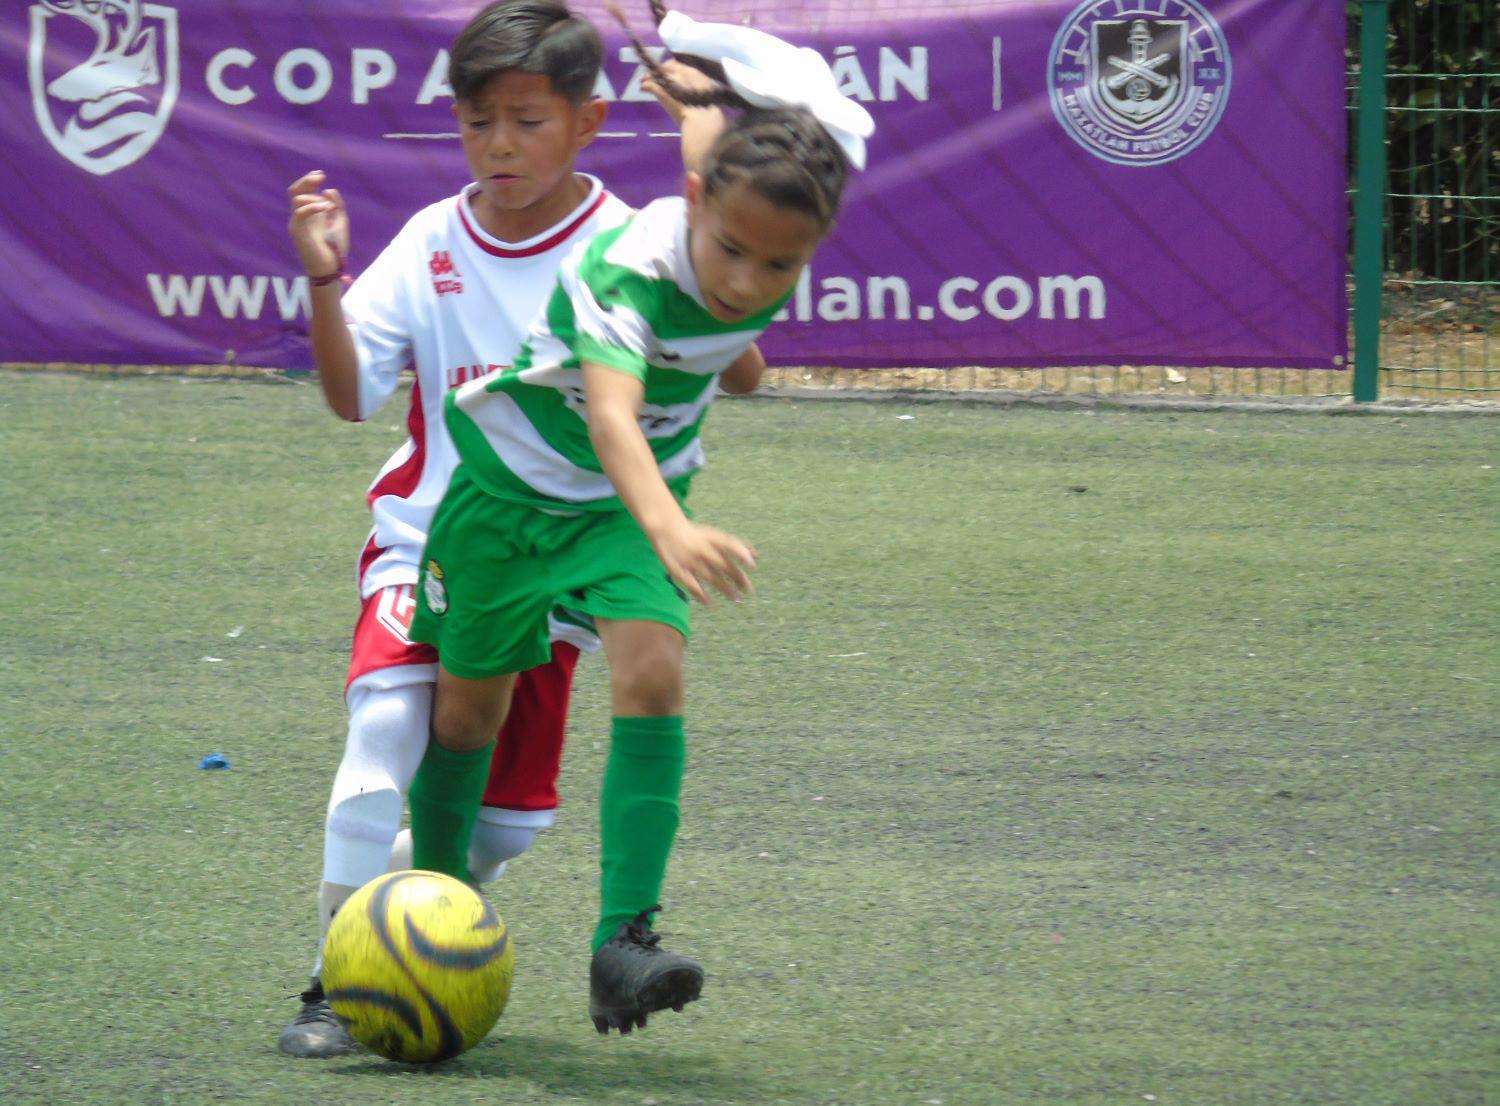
<point x="1441" y="211"/>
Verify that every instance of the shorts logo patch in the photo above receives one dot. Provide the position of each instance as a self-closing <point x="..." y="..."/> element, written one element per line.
<point x="395" y="609"/>
<point x="433" y="590"/>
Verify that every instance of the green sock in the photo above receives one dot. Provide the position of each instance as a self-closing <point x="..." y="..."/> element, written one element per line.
<point x="444" y="798"/>
<point x="637" y="817"/>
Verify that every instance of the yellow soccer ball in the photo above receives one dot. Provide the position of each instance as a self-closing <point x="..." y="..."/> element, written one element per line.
<point x="418" y="965"/>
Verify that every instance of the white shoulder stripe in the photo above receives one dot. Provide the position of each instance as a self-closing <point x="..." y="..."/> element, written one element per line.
<point x="526" y="453"/>
<point x="618" y="325"/>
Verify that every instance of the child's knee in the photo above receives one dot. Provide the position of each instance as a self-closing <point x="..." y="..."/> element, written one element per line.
<point x="645" y="667"/>
<point x="644" y="688"/>
<point x="470" y="718"/>
<point x="455" y="726"/>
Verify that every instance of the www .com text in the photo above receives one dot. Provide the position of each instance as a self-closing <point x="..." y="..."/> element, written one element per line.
<point x="832" y="299"/>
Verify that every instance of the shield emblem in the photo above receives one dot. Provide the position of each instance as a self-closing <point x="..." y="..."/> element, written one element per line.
<point x="1138" y="68"/>
<point x="104" y="78"/>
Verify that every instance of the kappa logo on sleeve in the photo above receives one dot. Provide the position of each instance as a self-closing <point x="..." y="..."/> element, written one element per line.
<point x="104" y="78"/>
<point x="445" y="275"/>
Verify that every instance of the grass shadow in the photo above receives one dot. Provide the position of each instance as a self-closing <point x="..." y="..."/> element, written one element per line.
<point x="578" y="1066"/>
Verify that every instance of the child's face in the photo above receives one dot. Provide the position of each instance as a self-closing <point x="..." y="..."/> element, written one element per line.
<point x="521" y="137"/>
<point x="746" y="251"/>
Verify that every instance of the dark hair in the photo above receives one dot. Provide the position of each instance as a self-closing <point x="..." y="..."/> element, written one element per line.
<point x="783" y="153"/>
<point x="526" y="36"/>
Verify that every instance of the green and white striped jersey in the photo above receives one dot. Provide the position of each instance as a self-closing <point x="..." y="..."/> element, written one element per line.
<point x="627" y="299"/>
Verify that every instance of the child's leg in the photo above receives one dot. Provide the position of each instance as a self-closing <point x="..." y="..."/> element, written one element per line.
<point x="482" y="601"/>
<point x="390" y="706"/>
<point x="520" y="798"/>
<point x="389" y="694"/>
<point x="638" y="808"/>
<point x="446" y="792"/>
<point x="387" y="737"/>
<point x="609" y="570"/>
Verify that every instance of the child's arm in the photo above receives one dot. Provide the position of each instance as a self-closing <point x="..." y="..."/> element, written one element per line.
<point x="691" y="553"/>
<point x="743" y="375"/>
<point x="320" y="230"/>
<point x="700" y="126"/>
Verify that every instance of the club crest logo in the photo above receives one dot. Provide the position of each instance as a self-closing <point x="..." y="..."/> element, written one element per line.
<point x="104" y="78"/>
<point x="1139" y="82"/>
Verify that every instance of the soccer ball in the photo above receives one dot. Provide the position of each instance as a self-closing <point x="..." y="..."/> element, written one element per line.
<point x="418" y="966"/>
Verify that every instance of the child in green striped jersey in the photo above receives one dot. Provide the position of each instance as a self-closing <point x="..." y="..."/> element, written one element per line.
<point x="575" y="467"/>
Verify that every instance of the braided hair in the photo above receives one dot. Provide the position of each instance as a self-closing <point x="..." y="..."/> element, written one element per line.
<point x="783" y="153"/>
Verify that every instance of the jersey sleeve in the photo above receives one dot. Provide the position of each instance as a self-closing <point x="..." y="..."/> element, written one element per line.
<point x="379" y="310"/>
<point x="612" y="312"/>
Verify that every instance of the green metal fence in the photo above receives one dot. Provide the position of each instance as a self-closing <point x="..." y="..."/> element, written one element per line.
<point x="1427" y="217"/>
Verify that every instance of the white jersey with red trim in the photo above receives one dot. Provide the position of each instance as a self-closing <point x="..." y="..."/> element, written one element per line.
<point x="452" y="303"/>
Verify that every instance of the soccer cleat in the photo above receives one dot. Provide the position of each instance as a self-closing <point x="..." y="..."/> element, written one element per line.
<point x="632" y="976"/>
<point x="316" y="1032"/>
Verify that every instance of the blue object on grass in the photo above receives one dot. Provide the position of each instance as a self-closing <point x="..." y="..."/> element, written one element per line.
<point x="214" y="760"/>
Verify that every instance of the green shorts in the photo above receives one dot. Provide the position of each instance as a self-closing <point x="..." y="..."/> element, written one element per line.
<point x="492" y="570"/>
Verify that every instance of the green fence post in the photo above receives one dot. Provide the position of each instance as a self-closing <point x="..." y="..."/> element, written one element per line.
<point x="1369" y="214"/>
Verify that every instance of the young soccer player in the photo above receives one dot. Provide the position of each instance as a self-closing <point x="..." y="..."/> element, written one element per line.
<point x="451" y="296"/>
<point x="575" y="469"/>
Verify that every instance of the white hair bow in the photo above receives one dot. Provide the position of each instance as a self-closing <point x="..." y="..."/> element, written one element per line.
<point x="771" y="73"/>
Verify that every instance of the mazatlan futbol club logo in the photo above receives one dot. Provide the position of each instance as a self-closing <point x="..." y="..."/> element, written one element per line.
<point x="1139" y="82"/>
<point x="104" y="78"/>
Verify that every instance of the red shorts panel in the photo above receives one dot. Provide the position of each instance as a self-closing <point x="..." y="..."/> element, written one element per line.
<point x="528" y="752"/>
<point x="380" y="635"/>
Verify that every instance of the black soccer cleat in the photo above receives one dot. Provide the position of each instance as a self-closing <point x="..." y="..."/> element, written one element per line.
<point x="632" y="975"/>
<point x="316" y="1032"/>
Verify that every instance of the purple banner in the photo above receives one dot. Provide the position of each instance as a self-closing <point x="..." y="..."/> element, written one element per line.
<point x="1051" y="183"/>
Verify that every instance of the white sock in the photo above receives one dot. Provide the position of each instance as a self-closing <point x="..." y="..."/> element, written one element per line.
<point x="495" y="843"/>
<point x="331" y="896"/>
<point x="388" y="729"/>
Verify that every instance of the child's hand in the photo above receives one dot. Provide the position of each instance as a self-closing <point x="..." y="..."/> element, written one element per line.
<point x="684" y="77"/>
<point x="319" y="225"/>
<point x="695" y="555"/>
